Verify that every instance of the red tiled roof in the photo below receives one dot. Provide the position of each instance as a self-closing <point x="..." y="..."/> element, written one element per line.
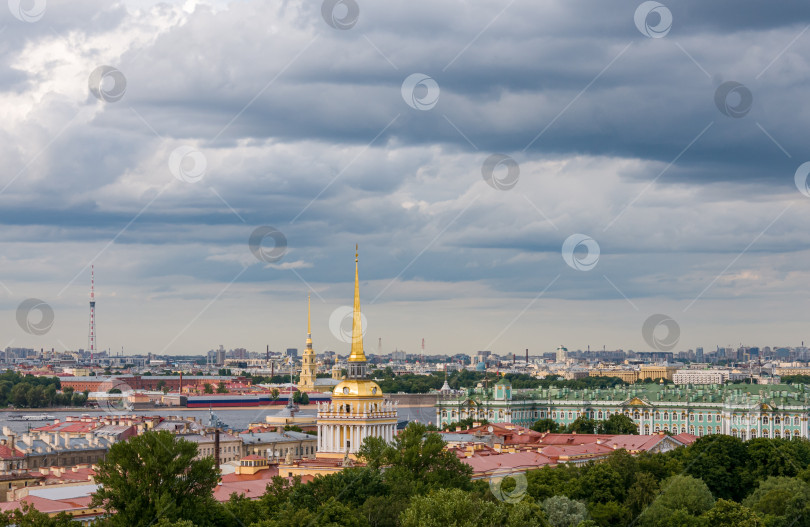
<point x="686" y="439"/>
<point x="493" y="462"/>
<point x="7" y="453"/>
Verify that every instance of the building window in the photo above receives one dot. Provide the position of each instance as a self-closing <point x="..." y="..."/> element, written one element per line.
<point x="657" y="415"/>
<point x="600" y="415"/>
<point x="666" y="416"/>
<point x="777" y="420"/>
<point x="700" y="417"/>
<point x="764" y="419"/>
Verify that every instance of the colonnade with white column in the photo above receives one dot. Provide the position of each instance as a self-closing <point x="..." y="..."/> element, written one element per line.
<point x="339" y="437"/>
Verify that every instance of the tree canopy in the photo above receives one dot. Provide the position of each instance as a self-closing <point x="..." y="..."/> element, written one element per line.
<point x="154" y="476"/>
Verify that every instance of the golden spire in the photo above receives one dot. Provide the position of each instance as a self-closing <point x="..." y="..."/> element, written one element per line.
<point x="357" y="354"/>
<point x="309" y="325"/>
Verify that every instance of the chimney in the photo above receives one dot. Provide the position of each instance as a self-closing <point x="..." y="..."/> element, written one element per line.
<point x="11" y="443"/>
<point x="216" y="448"/>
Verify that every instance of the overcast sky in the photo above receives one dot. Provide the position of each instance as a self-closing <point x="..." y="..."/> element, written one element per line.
<point x="517" y="174"/>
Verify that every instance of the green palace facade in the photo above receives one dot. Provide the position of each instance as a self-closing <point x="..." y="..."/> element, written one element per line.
<point x="741" y="410"/>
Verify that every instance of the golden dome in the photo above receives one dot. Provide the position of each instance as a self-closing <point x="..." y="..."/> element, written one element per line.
<point x="357" y="388"/>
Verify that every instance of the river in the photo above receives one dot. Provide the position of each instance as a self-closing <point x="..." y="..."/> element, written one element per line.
<point x="235" y="418"/>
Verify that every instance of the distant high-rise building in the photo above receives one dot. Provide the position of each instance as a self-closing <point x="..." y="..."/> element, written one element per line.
<point x="292" y="353"/>
<point x="562" y="353"/>
<point x="699" y="354"/>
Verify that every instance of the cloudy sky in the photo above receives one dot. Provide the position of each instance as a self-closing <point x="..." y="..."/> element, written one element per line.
<point x="517" y="174"/>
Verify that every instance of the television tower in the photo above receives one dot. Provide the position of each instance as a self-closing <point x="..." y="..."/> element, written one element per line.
<point x="92" y="337"/>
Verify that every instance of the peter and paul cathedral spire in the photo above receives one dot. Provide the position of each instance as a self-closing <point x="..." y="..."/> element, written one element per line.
<point x="308" y="362"/>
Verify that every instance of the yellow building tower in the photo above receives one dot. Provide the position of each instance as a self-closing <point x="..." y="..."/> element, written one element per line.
<point x="308" y="364"/>
<point x="357" y="410"/>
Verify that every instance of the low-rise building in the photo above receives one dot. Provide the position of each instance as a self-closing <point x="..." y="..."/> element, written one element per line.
<point x="230" y="446"/>
<point x="714" y="376"/>
<point x="276" y="446"/>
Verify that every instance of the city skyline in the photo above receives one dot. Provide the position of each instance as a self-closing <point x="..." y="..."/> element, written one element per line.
<point x="627" y="176"/>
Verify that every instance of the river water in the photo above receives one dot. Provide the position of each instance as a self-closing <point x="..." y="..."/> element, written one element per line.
<point x="235" y="418"/>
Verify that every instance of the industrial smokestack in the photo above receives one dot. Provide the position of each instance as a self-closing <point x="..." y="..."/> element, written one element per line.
<point x="216" y="447"/>
<point x="527" y="355"/>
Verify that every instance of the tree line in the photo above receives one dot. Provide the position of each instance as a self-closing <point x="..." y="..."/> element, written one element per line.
<point x="718" y="481"/>
<point x="29" y="391"/>
<point x="457" y="380"/>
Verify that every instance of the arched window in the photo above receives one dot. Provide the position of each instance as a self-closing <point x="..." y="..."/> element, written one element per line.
<point x="666" y="416"/>
<point x="657" y="415"/>
<point x="777" y="420"/>
<point x="600" y="414"/>
<point x="765" y="433"/>
<point x="764" y="419"/>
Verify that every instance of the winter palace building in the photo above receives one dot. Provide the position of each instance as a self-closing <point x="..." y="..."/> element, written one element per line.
<point x="741" y="410"/>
